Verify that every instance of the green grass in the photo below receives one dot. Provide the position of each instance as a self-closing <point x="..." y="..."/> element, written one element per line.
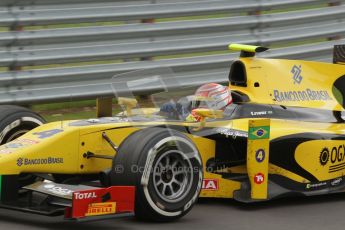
<point x="66" y="110"/>
<point x="68" y="116"/>
<point x="64" y="105"/>
<point x="76" y="113"/>
<point x="83" y="109"/>
<point x="62" y="115"/>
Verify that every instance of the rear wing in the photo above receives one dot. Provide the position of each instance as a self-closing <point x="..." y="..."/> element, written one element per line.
<point x="247" y="50"/>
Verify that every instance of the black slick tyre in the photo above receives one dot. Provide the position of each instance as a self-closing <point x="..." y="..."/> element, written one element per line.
<point x="165" y="167"/>
<point x="16" y="121"/>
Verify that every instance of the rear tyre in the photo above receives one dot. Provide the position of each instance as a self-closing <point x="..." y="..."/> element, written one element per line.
<point x="16" y="121"/>
<point x="166" y="169"/>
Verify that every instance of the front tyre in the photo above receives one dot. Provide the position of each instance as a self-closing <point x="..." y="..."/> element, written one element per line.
<point x="166" y="169"/>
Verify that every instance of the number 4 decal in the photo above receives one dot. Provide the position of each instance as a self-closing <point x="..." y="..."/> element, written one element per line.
<point x="48" y="133"/>
<point x="260" y="155"/>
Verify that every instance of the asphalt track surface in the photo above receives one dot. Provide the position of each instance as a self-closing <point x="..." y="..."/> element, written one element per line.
<point x="312" y="213"/>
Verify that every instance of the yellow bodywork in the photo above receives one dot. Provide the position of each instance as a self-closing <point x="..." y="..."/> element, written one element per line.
<point x="277" y="86"/>
<point x="74" y="141"/>
<point x="257" y="157"/>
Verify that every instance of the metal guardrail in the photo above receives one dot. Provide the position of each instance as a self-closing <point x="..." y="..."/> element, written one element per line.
<point x="189" y="27"/>
<point x="20" y="48"/>
<point x="90" y="82"/>
<point x="96" y="52"/>
<point x="26" y="3"/>
<point x="108" y="12"/>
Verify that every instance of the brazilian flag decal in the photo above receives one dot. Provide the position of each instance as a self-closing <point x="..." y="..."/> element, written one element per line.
<point x="260" y="132"/>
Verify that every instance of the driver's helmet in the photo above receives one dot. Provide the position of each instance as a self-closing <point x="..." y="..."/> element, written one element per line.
<point x="212" y="96"/>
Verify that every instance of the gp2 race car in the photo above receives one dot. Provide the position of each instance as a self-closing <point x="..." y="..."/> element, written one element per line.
<point x="283" y="135"/>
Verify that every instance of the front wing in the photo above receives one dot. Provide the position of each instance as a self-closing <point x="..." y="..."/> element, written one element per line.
<point x="73" y="201"/>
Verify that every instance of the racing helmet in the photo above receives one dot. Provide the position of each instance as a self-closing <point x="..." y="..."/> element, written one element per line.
<point x="212" y="96"/>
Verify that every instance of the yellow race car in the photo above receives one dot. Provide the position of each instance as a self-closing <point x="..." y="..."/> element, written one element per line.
<point x="283" y="135"/>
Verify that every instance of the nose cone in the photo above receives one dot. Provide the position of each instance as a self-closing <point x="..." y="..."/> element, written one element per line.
<point x="12" y="154"/>
<point x="46" y="149"/>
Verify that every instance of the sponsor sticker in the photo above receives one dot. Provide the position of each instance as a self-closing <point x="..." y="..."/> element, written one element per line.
<point x="84" y="195"/>
<point x="232" y="133"/>
<point x="316" y="185"/>
<point x="19" y="143"/>
<point x="20" y="162"/>
<point x="58" y="190"/>
<point x="96" y="209"/>
<point x="302" y="95"/>
<point x="333" y="158"/>
<point x="324" y="156"/>
<point x="261" y="113"/>
<point x="260" y="155"/>
<point x="39" y="161"/>
<point x="210" y="184"/>
<point x="261" y="132"/>
<point x="296" y="74"/>
<point x="337" y="181"/>
<point x="28" y="141"/>
<point x="102" y="201"/>
<point x="259" y="178"/>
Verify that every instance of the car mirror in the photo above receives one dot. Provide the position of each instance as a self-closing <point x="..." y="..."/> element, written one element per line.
<point x="207" y="113"/>
<point x="128" y="103"/>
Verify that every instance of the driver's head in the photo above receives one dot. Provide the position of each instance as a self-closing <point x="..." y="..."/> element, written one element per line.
<point x="212" y="96"/>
